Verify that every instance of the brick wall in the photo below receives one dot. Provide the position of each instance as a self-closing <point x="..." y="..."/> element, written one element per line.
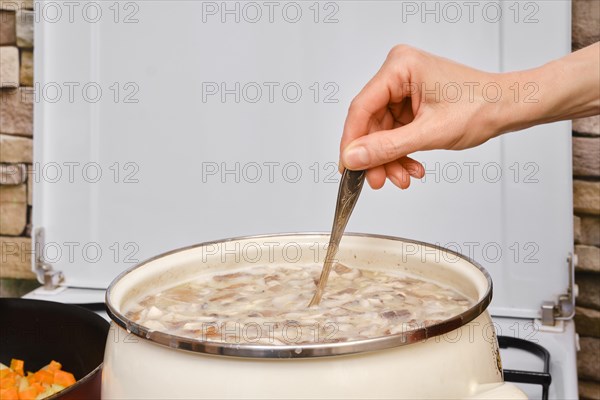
<point x="586" y="199"/>
<point x="16" y="156"/>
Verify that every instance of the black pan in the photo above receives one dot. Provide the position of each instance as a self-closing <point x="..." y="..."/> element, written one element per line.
<point x="40" y="331"/>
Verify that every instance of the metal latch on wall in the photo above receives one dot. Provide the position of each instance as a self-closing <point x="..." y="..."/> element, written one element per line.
<point x="564" y="308"/>
<point x="46" y="274"/>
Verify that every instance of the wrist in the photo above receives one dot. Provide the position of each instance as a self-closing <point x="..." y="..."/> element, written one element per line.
<point x="519" y="103"/>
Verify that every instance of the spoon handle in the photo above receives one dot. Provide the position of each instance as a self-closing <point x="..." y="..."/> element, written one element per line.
<point x="350" y="186"/>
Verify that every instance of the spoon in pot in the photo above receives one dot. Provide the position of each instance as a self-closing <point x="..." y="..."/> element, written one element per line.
<point x="350" y="186"/>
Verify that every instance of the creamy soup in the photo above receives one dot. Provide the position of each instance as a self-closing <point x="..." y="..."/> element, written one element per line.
<point x="268" y="306"/>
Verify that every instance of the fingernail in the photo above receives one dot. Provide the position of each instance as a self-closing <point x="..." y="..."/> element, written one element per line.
<point x="356" y="157"/>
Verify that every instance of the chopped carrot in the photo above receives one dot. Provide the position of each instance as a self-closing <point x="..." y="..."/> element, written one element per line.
<point x="54" y="366"/>
<point x="8" y="381"/>
<point x="17" y="366"/>
<point x="64" y="378"/>
<point x="28" y="394"/>
<point x="43" y="376"/>
<point x="47" y="381"/>
<point x="9" y="394"/>
<point x="5" y="372"/>
<point x="38" y="386"/>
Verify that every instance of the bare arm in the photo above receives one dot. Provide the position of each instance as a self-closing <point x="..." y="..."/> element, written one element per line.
<point x="569" y="89"/>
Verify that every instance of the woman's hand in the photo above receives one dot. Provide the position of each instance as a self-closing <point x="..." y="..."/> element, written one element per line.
<point x="419" y="101"/>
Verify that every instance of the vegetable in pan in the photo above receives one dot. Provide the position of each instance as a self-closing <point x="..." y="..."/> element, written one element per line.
<point x="16" y="385"/>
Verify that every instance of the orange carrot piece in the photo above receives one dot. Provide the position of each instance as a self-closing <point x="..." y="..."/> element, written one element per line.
<point x="28" y="394"/>
<point x="5" y="372"/>
<point x="34" y="384"/>
<point x="39" y="387"/>
<point x="8" y="381"/>
<point x="54" y="366"/>
<point x="9" y="394"/>
<point x="43" y="376"/>
<point x="64" y="378"/>
<point x="17" y="366"/>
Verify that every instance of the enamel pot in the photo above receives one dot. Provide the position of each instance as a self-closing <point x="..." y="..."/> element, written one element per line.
<point x="456" y="358"/>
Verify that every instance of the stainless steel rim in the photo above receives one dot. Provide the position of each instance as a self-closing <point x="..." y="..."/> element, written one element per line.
<point x="305" y="350"/>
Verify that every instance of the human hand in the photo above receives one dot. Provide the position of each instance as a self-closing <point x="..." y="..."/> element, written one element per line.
<point x="417" y="101"/>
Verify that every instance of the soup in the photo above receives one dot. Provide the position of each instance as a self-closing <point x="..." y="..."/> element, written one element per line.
<point x="267" y="305"/>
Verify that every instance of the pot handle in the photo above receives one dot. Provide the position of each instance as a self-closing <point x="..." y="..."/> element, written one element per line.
<point x="498" y="391"/>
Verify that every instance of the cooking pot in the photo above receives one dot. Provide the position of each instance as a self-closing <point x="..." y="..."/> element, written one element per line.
<point x="456" y="358"/>
<point x="38" y="332"/>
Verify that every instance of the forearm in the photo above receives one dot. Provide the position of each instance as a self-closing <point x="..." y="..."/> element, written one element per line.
<point x="566" y="88"/>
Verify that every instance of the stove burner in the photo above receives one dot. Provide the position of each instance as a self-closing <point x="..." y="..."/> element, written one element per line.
<point x="532" y="377"/>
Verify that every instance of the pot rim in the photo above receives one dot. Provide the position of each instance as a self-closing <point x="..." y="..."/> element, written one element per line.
<point x="248" y="350"/>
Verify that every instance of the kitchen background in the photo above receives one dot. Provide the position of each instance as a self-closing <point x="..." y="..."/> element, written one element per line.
<point x="17" y="173"/>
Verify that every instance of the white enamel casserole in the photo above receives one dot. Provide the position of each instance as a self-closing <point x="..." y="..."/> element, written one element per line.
<point x="457" y="358"/>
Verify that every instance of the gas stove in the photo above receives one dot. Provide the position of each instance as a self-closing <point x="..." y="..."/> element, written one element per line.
<point x="546" y="358"/>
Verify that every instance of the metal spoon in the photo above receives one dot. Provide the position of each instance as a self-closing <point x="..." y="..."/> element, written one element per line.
<point x="350" y="186"/>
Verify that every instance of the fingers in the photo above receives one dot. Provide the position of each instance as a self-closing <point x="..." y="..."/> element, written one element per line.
<point x="363" y="109"/>
<point x="413" y="167"/>
<point x="372" y="100"/>
<point x="399" y="172"/>
<point x="368" y="141"/>
<point x="370" y="105"/>
<point x="382" y="147"/>
<point x="376" y="177"/>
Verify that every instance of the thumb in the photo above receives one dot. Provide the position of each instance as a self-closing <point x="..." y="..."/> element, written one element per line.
<point x="381" y="147"/>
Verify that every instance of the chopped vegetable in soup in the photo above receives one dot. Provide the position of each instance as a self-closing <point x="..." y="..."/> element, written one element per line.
<point x="268" y="306"/>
